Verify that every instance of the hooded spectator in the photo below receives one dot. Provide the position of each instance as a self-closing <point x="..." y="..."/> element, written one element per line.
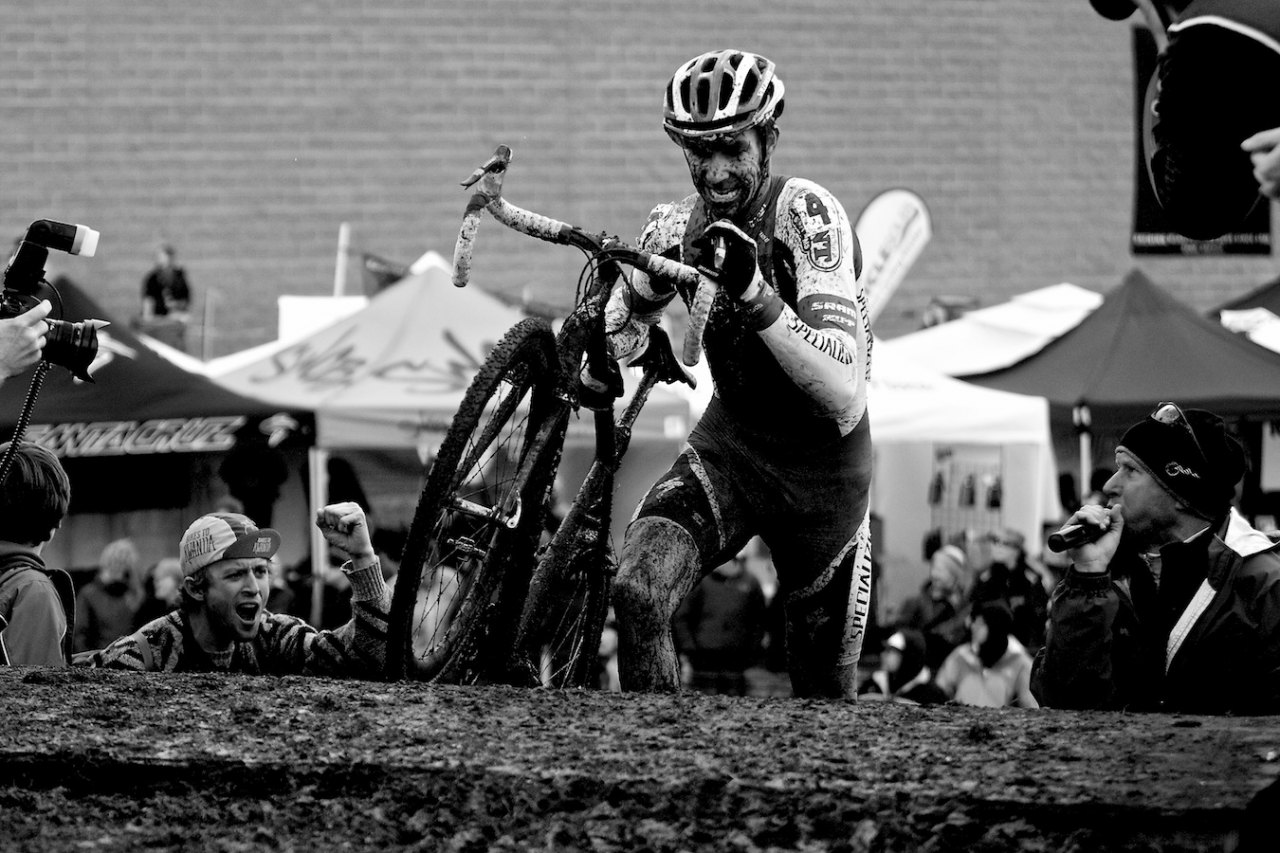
<point x="940" y="609"/>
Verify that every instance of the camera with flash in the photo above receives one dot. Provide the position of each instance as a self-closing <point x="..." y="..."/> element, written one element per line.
<point x="68" y="344"/>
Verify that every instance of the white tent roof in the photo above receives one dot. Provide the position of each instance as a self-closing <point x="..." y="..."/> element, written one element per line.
<point x="997" y="336"/>
<point x="1260" y="325"/>
<point x="387" y="373"/>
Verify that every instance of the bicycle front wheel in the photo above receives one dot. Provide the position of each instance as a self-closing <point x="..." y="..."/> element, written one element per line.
<point x="469" y="549"/>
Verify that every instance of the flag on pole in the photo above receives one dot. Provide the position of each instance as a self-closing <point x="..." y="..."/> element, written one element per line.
<point x="378" y="273"/>
<point x="358" y="271"/>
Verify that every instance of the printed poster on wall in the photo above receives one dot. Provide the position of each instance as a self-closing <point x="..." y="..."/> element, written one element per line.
<point x="1152" y="234"/>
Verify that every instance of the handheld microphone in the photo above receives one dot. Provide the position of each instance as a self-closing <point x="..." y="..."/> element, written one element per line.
<point x="1073" y="536"/>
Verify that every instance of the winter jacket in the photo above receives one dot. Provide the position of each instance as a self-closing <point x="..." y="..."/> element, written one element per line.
<point x="944" y="624"/>
<point x="37" y="609"/>
<point x="1206" y="640"/>
<point x="1005" y="683"/>
<point x="104" y="612"/>
<point x="720" y="625"/>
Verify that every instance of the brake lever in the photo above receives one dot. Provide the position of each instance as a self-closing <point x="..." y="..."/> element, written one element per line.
<point x="497" y="163"/>
<point x="719" y="252"/>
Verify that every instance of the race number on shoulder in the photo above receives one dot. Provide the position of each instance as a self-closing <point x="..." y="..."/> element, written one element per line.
<point x="819" y="231"/>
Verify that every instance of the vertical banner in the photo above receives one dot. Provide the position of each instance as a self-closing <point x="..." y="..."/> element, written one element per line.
<point x="893" y="230"/>
<point x="1152" y="233"/>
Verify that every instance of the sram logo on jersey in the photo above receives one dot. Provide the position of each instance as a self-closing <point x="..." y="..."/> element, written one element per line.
<point x="819" y="234"/>
<point x="824" y="311"/>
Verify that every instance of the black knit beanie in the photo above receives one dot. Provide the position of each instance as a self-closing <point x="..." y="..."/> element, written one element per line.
<point x="1205" y="482"/>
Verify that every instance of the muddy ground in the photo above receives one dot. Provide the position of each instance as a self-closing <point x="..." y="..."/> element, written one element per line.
<point x="99" y="761"/>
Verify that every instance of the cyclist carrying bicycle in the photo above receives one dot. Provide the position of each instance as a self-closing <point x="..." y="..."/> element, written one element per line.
<point x="784" y="448"/>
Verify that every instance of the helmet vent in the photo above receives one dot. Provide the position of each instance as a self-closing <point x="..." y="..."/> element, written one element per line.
<point x="704" y="97"/>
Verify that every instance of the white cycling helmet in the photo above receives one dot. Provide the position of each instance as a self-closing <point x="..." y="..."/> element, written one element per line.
<point x="722" y="91"/>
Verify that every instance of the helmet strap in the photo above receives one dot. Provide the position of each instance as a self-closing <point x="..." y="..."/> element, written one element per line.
<point x="768" y="136"/>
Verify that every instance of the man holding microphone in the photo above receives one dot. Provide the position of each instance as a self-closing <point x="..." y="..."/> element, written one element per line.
<point x="1172" y="601"/>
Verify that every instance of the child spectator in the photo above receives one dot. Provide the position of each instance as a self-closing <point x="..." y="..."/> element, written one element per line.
<point x="993" y="669"/>
<point x="37" y="603"/>
<point x="903" y="676"/>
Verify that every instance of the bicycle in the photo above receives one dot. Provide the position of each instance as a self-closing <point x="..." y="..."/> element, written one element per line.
<point x="477" y="598"/>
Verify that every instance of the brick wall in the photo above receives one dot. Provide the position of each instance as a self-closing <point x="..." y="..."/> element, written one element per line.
<point x="245" y="133"/>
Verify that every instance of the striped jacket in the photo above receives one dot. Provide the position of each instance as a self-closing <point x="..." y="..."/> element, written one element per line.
<point x="285" y="645"/>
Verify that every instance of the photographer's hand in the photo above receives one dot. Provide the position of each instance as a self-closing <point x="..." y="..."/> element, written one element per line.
<point x="1264" y="151"/>
<point x="22" y="339"/>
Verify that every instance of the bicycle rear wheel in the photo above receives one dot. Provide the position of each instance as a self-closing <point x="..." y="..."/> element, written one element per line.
<point x="468" y="553"/>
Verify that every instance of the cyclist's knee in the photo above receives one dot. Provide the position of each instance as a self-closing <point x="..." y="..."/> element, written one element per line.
<point x="659" y="566"/>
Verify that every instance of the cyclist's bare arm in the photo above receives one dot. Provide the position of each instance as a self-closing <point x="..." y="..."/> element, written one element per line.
<point x="639" y="303"/>
<point x="824" y="344"/>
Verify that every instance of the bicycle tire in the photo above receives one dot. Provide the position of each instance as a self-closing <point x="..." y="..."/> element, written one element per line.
<point x="558" y="639"/>
<point x="451" y="602"/>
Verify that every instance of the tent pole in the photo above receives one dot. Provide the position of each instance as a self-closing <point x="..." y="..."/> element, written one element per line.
<point x="1083" y="423"/>
<point x="318" y="464"/>
<point x="206" y="325"/>
<point x="340" y="267"/>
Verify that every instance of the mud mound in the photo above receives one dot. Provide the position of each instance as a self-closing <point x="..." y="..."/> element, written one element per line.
<point x="111" y="761"/>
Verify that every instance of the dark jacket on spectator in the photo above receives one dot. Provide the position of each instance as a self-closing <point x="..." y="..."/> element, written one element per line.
<point x="104" y="613"/>
<point x="1109" y="633"/>
<point x="943" y="624"/>
<point x="720" y="625"/>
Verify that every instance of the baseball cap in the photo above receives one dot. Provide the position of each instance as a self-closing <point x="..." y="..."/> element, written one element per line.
<point x="224" y="536"/>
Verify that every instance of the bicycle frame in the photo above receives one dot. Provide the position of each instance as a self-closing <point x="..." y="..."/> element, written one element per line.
<point x="581" y="542"/>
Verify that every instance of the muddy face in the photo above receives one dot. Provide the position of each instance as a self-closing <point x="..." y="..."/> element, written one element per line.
<point x="728" y="171"/>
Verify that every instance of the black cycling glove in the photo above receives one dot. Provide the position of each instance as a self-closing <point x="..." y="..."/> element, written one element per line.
<point x="727" y="254"/>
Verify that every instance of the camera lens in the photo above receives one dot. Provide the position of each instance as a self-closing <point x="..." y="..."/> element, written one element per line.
<point x="72" y="345"/>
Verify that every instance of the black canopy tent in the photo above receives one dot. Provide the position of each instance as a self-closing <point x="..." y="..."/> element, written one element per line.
<point x="1264" y="296"/>
<point x="130" y="440"/>
<point x="1140" y="347"/>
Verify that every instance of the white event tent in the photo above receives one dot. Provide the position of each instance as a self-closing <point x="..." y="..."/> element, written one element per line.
<point x="926" y="426"/>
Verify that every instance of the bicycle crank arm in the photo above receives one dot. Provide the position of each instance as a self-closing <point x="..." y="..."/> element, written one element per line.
<point x="493" y="514"/>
